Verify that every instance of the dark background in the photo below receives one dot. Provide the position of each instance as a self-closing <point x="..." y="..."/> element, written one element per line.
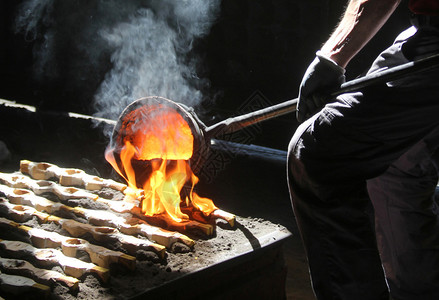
<point x="256" y="50"/>
<point x="254" y="56"/>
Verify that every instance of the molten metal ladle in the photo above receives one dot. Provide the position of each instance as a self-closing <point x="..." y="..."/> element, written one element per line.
<point x="203" y="134"/>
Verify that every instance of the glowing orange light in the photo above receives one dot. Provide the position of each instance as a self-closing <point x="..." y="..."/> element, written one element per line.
<point x="162" y="137"/>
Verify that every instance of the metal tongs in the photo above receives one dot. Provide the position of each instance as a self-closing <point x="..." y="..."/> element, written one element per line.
<point x="203" y="134"/>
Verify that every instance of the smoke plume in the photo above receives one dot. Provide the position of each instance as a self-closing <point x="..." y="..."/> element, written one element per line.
<point x="130" y="49"/>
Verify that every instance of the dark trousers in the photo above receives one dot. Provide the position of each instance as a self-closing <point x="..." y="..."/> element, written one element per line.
<point x="362" y="174"/>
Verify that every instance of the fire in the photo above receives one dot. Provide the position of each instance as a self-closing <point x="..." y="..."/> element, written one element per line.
<point x="162" y="137"/>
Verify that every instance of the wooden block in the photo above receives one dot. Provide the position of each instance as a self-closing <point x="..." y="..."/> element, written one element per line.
<point x="93" y="183"/>
<point x="41" y="186"/>
<point x="115" y="185"/>
<point x="72" y="177"/>
<point x="109" y="234"/>
<point x="106" y="218"/>
<point x="99" y="255"/>
<point x="68" y="176"/>
<point x="26" y="197"/>
<point x="221" y="214"/>
<point x="44" y="186"/>
<point x="77" y="229"/>
<point x="16" y="180"/>
<point x="185" y="226"/>
<point x="65" y="193"/>
<point x="40" y="171"/>
<point x="47" y="257"/>
<point x="62" y="192"/>
<point x="18" y="213"/>
<point x="18" y="285"/>
<point x="117" y="206"/>
<point x="46" y="277"/>
<point x="157" y="234"/>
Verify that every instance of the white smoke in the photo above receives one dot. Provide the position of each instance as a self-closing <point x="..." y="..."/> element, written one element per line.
<point x="149" y="54"/>
<point x="34" y="15"/>
<point x="31" y="14"/>
<point x="149" y="43"/>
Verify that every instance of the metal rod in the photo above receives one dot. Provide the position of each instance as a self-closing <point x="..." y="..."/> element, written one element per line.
<point x="236" y="123"/>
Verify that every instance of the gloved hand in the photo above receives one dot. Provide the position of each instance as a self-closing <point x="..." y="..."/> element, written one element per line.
<point x="322" y="77"/>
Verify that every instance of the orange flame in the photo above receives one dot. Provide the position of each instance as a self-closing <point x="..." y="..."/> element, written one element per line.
<point x="166" y="141"/>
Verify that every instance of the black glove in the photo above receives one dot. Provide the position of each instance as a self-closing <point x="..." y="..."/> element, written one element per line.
<point x="322" y="77"/>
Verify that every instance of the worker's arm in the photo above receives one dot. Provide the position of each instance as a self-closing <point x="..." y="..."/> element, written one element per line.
<point x="361" y="21"/>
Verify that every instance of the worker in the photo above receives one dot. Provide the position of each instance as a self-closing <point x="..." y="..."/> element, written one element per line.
<point x="363" y="167"/>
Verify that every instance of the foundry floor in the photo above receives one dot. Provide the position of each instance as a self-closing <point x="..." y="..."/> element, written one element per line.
<point x="298" y="286"/>
<point x="254" y="184"/>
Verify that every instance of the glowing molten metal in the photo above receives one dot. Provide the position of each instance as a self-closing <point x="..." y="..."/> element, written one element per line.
<point x="160" y="135"/>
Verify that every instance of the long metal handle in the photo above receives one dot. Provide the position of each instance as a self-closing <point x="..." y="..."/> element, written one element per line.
<point x="237" y="123"/>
